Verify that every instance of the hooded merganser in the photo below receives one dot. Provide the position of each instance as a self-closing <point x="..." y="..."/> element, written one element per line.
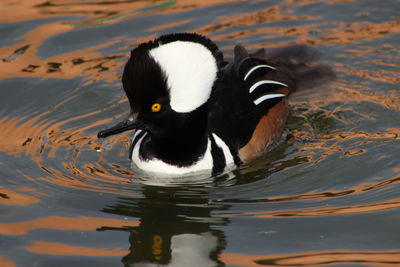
<point x="192" y="111"/>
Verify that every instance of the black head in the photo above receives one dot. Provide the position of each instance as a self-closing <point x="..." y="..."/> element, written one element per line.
<point x="168" y="82"/>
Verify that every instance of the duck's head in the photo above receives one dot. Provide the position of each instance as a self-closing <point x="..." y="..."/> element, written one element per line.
<point x="168" y="82"/>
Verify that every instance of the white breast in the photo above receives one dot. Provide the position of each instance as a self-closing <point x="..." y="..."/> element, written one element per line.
<point x="204" y="163"/>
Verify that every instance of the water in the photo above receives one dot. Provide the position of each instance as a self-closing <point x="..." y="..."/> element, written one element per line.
<point x="328" y="194"/>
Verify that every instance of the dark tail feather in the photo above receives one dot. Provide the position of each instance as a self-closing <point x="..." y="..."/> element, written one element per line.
<point x="305" y="78"/>
<point x="293" y="54"/>
<point x="315" y="80"/>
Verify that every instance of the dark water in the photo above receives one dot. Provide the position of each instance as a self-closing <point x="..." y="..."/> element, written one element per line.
<point x="329" y="194"/>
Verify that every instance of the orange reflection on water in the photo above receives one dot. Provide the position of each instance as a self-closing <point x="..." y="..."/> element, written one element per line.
<point x="17" y="136"/>
<point x="315" y="258"/>
<point x="169" y="25"/>
<point x="355" y="190"/>
<point x="77" y="63"/>
<point x="16" y="11"/>
<point x="311" y="33"/>
<point x="25" y="135"/>
<point x="15" y="197"/>
<point x="349" y="33"/>
<point x="99" y="12"/>
<point x="52" y="248"/>
<point x="340" y="210"/>
<point x="82" y="223"/>
<point x="390" y="100"/>
<point x="22" y="60"/>
<point x="6" y="263"/>
<point x="28" y="136"/>
<point x="308" y="2"/>
<point x="324" y="145"/>
<point x="272" y="14"/>
<point x="359" y="189"/>
<point x="93" y="177"/>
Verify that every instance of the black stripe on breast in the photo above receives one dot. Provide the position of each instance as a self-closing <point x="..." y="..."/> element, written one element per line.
<point x="219" y="161"/>
<point x="135" y="140"/>
<point x="235" y="156"/>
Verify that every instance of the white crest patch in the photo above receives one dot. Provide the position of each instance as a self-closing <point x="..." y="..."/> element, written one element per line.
<point x="191" y="70"/>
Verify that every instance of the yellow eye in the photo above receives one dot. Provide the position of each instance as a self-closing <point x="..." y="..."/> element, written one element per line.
<point x="156" y="107"/>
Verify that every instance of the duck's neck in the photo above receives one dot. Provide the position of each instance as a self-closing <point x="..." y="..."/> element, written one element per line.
<point x="183" y="146"/>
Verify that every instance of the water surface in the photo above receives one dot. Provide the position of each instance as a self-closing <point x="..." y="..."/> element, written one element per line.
<point x="327" y="195"/>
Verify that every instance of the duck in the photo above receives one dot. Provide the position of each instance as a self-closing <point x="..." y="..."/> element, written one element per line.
<point x="191" y="111"/>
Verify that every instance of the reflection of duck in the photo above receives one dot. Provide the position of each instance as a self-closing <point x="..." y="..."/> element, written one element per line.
<point x="192" y="111"/>
<point x="173" y="231"/>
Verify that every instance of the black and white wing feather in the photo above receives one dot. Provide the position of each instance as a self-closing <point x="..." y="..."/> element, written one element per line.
<point x="248" y="88"/>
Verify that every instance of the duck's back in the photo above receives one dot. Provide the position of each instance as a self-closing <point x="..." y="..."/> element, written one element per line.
<point x="249" y="106"/>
